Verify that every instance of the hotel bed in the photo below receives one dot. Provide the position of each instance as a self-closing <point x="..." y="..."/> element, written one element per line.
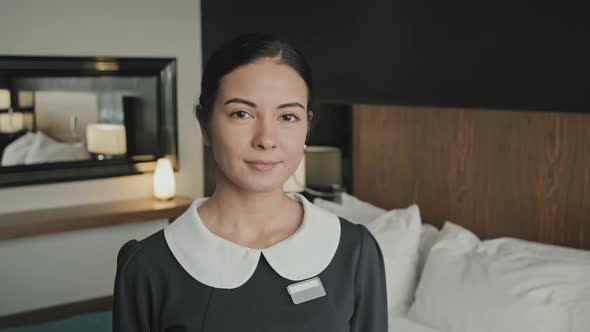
<point x="449" y="280"/>
<point x="483" y="216"/>
<point x="406" y="325"/>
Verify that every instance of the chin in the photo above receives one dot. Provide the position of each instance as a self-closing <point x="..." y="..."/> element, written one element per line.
<point x="259" y="188"/>
<point x="246" y="181"/>
<point x="258" y="185"/>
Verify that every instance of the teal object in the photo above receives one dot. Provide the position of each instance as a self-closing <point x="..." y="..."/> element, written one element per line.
<point x="94" y="322"/>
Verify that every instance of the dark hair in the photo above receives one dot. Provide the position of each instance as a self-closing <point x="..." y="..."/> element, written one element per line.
<point x="242" y="50"/>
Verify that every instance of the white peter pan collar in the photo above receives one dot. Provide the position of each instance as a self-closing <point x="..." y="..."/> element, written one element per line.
<point x="217" y="262"/>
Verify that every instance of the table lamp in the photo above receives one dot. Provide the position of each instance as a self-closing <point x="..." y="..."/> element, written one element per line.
<point x="324" y="166"/>
<point x="106" y="140"/>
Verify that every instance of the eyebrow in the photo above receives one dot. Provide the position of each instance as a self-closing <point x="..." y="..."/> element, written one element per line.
<point x="251" y="104"/>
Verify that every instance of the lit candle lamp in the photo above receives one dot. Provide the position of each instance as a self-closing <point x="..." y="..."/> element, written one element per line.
<point x="164" y="185"/>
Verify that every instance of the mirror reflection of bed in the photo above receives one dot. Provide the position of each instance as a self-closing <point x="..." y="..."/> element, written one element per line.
<point x="59" y="124"/>
<point x="65" y="126"/>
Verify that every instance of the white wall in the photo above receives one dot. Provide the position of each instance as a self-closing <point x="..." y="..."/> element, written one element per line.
<point x="60" y="268"/>
<point x="141" y="28"/>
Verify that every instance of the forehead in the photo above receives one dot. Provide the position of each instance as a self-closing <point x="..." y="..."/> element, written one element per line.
<point x="265" y="79"/>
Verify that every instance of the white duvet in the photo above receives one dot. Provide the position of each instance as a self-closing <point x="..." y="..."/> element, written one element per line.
<point x="399" y="324"/>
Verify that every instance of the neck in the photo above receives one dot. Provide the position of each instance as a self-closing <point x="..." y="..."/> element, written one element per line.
<point x="232" y="210"/>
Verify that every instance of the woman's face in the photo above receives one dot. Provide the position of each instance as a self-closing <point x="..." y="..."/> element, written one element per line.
<point x="259" y="115"/>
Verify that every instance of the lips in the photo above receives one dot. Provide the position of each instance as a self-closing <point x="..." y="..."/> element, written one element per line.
<point x="262" y="165"/>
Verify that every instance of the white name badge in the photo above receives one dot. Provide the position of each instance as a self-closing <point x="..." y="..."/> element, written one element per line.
<point x="306" y="290"/>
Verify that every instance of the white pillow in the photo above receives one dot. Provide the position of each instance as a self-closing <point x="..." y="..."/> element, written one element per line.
<point x="428" y="237"/>
<point x="45" y="149"/>
<point x="471" y="286"/>
<point x="507" y="244"/>
<point x="16" y="152"/>
<point x="352" y="209"/>
<point x="398" y="234"/>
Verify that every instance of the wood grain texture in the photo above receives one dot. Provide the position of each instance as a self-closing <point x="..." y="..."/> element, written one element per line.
<point x="497" y="173"/>
<point x="57" y="220"/>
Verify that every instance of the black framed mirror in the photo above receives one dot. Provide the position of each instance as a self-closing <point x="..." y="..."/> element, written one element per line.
<point x="76" y="118"/>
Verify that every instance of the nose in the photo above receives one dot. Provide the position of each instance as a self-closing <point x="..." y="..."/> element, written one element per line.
<point x="264" y="136"/>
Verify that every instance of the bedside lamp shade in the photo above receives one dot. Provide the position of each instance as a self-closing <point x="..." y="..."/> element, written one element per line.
<point x="164" y="185"/>
<point x="4" y="99"/>
<point x="324" y="166"/>
<point x="296" y="183"/>
<point x="106" y="138"/>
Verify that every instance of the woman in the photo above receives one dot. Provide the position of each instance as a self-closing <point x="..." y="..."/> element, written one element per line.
<point x="250" y="257"/>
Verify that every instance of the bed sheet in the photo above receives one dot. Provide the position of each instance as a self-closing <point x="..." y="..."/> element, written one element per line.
<point x="400" y="324"/>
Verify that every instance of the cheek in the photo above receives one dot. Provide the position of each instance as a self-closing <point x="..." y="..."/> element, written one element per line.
<point x="293" y="153"/>
<point x="224" y="146"/>
<point x="292" y="164"/>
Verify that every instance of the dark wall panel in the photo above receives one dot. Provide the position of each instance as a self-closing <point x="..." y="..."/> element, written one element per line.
<point x="492" y="54"/>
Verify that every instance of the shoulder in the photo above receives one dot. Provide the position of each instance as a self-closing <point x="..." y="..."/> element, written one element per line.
<point x="356" y="235"/>
<point x="126" y="253"/>
<point x="137" y="256"/>
<point x="359" y="243"/>
<point x="364" y="252"/>
<point x="358" y="238"/>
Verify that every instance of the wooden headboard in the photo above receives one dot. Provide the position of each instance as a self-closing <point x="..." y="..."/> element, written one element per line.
<point x="497" y="173"/>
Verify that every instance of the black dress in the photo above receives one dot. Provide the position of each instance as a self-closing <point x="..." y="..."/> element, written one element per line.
<point x="159" y="289"/>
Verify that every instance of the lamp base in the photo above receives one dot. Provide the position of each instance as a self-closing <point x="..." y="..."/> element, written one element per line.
<point x="104" y="156"/>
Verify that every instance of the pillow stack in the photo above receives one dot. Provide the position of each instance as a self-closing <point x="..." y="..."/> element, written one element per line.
<point x="502" y="285"/>
<point x="398" y="233"/>
<point x="468" y="285"/>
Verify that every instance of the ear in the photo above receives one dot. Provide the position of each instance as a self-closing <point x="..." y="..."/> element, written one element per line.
<point x="206" y="140"/>
<point x="202" y="126"/>
<point x="204" y="133"/>
<point x="310" y="115"/>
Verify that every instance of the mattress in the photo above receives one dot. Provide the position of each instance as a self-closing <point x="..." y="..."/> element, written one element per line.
<point x="400" y="324"/>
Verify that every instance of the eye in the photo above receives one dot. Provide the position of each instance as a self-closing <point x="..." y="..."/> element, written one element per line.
<point x="290" y="117"/>
<point x="240" y="114"/>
